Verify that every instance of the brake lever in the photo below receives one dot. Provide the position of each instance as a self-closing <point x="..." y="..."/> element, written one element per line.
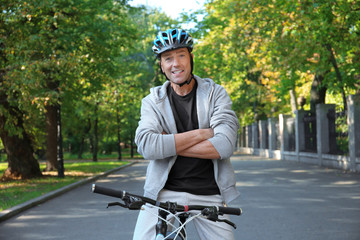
<point x="228" y="222"/>
<point x="213" y="215"/>
<point x="131" y="203"/>
<point x="116" y="204"/>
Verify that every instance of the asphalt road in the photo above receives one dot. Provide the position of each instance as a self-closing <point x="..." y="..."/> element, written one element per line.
<point x="280" y="199"/>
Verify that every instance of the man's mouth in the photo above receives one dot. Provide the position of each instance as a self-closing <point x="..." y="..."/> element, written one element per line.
<point x="177" y="71"/>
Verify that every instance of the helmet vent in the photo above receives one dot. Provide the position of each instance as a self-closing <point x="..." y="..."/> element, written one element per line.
<point x="158" y="42"/>
<point x="182" y="38"/>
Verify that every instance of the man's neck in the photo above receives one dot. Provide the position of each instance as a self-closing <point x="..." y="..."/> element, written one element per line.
<point x="184" y="90"/>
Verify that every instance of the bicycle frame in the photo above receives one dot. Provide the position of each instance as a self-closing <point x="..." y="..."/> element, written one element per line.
<point x="162" y="227"/>
<point x="135" y="202"/>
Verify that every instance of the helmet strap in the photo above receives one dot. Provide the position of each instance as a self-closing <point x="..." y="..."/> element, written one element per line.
<point x="187" y="82"/>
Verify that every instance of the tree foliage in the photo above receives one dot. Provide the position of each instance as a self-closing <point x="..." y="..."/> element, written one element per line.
<point x="94" y="59"/>
<point x="57" y="52"/>
<point x="260" y="50"/>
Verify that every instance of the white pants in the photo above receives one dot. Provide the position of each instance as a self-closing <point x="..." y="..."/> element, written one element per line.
<point x="206" y="229"/>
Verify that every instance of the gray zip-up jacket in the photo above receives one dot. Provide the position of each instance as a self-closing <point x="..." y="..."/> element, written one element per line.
<point x="213" y="110"/>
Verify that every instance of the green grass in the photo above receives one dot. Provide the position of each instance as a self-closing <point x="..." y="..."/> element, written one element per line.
<point x="125" y="154"/>
<point x="15" y="192"/>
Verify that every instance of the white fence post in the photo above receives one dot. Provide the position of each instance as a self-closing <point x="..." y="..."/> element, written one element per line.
<point x="255" y="135"/>
<point x="354" y="129"/>
<point x="284" y="136"/>
<point x="299" y="132"/>
<point x="272" y="133"/>
<point x="263" y="133"/>
<point x="322" y="129"/>
<point x="249" y="136"/>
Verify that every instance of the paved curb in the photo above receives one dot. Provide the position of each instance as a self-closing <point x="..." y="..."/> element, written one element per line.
<point x="10" y="212"/>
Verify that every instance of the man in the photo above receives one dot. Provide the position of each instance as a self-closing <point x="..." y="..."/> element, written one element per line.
<point x="188" y="131"/>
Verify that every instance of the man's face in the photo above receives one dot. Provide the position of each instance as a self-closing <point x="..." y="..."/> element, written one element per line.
<point x="176" y="65"/>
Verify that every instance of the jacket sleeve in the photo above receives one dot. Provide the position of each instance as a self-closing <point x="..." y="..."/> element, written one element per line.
<point x="224" y="122"/>
<point x="150" y="141"/>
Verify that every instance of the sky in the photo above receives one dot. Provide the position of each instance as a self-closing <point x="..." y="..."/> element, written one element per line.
<point x="171" y="8"/>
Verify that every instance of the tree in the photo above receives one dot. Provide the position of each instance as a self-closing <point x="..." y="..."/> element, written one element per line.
<point x="57" y="52"/>
<point x="13" y="131"/>
<point x="267" y="52"/>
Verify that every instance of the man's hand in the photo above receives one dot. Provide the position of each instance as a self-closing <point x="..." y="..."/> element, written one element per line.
<point x="206" y="133"/>
<point x="204" y="150"/>
<point x="194" y="144"/>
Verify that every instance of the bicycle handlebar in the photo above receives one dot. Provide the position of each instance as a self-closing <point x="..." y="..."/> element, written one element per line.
<point x="107" y="191"/>
<point x="230" y="210"/>
<point x="142" y="200"/>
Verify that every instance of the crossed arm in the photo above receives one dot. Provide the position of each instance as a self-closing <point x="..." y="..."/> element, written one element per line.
<point x="211" y="143"/>
<point x="195" y="144"/>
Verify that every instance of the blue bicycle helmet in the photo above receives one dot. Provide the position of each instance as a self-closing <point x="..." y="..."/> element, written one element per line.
<point x="172" y="39"/>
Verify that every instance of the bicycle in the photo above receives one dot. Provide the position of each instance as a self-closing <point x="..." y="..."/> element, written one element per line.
<point x="180" y="213"/>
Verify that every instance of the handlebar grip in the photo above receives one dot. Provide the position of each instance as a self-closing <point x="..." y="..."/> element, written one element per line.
<point x="230" y="210"/>
<point x="107" y="191"/>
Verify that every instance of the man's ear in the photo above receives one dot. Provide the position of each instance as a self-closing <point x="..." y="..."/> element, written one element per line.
<point x="162" y="71"/>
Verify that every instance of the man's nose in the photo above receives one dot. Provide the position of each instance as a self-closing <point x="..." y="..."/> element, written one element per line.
<point x="176" y="61"/>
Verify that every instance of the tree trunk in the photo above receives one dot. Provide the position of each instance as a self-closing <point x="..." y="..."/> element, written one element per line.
<point x="51" y="138"/>
<point x="118" y="133"/>
<point x="18" y="147"/>
<point x="82" y="141"/>
<point x="20" y="155"/>
<point x="318" y="92"/>
<point x="132" y="148"/>
<point x="81" y="147"/>
<point x="293" y="100"/>
<point x="338" y="74"/>
<point x="96" y="137"/>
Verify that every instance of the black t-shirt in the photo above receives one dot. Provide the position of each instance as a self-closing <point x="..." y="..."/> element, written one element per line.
<point x="192" y="175"/>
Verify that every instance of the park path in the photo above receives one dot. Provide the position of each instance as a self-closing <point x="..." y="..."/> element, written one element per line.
<point x="280" y="199"/>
